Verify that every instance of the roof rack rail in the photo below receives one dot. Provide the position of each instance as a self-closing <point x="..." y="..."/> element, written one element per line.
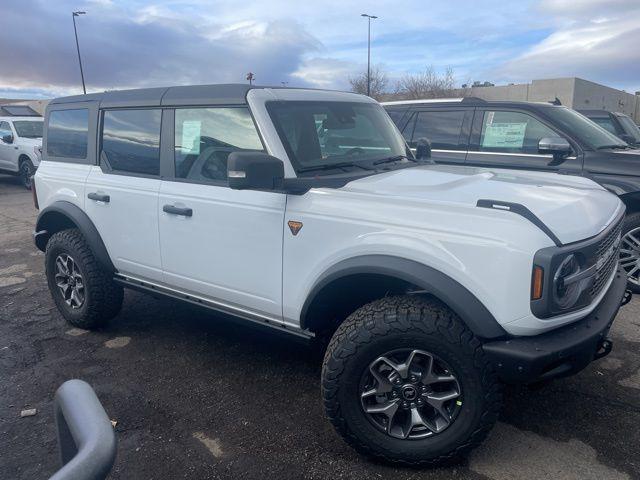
<point x="435" y="100"/>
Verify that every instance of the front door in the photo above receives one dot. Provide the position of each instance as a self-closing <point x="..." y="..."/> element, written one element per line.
<point x="509" y="139"/>
<point x="220" y="244"/>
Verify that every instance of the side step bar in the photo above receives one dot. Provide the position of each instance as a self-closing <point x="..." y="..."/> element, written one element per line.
<point x="255" y="319"/>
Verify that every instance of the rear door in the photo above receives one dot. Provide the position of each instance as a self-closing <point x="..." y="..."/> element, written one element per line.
<point x="122" y="190"/>
<point x="220" y="244"/>
<point x="447" y="129"/>
<point x="508" y="138"/>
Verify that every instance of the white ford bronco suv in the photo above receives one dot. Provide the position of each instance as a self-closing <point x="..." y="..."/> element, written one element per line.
<point x="305" y="211"/>
<point x="20" y="141"/>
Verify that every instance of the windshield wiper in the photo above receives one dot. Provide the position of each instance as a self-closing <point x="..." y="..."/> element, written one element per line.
<point x="332" y="166"/>
<point x="396" y="158"/>
<point x="617" y="145"/>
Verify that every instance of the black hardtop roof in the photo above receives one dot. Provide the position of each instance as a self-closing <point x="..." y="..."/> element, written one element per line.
<point x="231" y="94"/>
<point x="221" y="94"/>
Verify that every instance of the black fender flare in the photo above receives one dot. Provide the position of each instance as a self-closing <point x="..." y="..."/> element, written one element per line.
<point x="457" y="297"/>
<point x="49" y="221"/>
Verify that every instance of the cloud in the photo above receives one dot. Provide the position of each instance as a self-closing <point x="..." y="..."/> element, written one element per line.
<point x="593" y="39"/>
<point x="138" y="43"/>
<point x="147" y="47"/>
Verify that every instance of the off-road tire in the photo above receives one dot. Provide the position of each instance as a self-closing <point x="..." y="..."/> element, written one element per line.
<point x="25" y="172"/>
<point x="631" y="221"/>
<point x="413" y="322"/>
<point x="103" y="297"/>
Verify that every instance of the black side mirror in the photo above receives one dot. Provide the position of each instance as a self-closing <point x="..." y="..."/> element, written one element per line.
<point x="254" y="171"/>
<point x="7" y="138"/>
<point x="556" y="146"/>
<point x="423" y="149"/>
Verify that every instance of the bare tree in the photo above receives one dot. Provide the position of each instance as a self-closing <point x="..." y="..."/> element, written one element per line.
<point x="427" y="84"/>
<point x="379" y="83"/>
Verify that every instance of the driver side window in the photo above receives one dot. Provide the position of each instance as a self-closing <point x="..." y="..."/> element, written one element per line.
<point x="204" y="138"/>
<point x="512" y="132"/>
<point x="5" y="129"/>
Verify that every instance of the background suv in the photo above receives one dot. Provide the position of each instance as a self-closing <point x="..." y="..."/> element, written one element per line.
<point x="20" y="142"/>
<point x="621" y="125"/>
<point x="529" y="136"/>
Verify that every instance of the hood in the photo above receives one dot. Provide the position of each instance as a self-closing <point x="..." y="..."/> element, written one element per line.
<point x="574" y="208"/>
<point x="35" y="142"/>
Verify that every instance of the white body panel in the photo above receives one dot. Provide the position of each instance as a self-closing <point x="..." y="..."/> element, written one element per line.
<point x="59" y="181"/>
<point x="230" y="250"/>
<point x="128" y="224"/>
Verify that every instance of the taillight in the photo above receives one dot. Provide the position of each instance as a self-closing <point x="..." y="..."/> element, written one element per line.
<point x="34" y="193"/>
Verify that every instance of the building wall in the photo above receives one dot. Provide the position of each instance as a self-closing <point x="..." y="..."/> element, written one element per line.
<point x="573" y="92"/>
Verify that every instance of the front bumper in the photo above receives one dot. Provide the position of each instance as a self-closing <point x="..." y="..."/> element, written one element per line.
<point x="561" y="352"/>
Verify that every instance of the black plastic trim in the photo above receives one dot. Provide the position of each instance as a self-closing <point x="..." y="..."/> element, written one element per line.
<point x="472" y="312"/>
<point x="80" y="219"/>
<point x="561" y="352"/>
<point x="549" y="259"/>
<point x="521" y="210"/>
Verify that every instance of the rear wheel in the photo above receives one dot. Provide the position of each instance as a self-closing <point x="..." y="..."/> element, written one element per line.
<point x="630" y="250"/>
<point x="26" y="172"/>
<point x="405" y="381"/>
<point x="84" y="292"/>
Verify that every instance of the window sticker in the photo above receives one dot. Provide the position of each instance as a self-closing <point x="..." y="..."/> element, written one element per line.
<point x="191" y="137"/>
<point x="504" y="135"/>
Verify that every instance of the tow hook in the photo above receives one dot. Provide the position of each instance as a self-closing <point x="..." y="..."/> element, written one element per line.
<point x="626" y="298"/>
<point x="604" y="349"/>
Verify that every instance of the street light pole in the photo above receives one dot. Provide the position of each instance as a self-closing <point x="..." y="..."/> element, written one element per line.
<point x="74" y="15"/>
<point x="369" y="18"/>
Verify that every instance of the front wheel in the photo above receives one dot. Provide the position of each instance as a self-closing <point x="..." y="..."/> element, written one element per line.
<point x="630" y="251"/>
<point x="405" y="381"/>
<point x="26" y="172"/>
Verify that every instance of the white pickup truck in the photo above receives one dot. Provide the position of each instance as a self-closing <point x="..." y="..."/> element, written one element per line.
<point x="20" y="146"/>
<point x="306" y="212"/>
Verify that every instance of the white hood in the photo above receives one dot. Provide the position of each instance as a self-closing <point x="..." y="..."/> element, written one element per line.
<point x="30" y="142"/>
<point x="574" y="208"/>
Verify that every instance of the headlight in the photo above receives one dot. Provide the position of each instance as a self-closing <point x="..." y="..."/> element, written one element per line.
<point x="567" y="284"/>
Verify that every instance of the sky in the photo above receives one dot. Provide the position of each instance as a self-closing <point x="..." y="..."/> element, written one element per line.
<point x="135" y="43"/>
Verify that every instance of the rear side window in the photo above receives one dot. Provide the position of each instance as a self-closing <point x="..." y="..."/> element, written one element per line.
<point x="204" y="138"/>
<point x="67" y="133"/>
<point x="131" y="140"/>
<point x="442" y="128"/>
<point x="512" y="132"/>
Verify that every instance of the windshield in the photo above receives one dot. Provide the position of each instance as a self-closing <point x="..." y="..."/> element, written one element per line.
<point x="580" y="126"/>
<point x="319" y="135"/>
<point x="28" y="128"/>
<point x="630" y="128"/>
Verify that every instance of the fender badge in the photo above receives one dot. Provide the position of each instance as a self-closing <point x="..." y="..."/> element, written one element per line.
<point x="294" y="226"/>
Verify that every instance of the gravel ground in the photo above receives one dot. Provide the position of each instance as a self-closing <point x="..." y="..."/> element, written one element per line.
<point x="197" y="396"/>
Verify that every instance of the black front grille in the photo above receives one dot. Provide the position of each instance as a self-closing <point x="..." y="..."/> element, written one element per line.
<point x="608" y="262"/>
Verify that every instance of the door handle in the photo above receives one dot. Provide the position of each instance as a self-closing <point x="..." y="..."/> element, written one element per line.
<point x="99" y="197"/>
<point x="173" y="210"/>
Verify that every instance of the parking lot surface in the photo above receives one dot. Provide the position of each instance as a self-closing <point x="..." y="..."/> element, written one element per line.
<point x="197" y="396"/>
